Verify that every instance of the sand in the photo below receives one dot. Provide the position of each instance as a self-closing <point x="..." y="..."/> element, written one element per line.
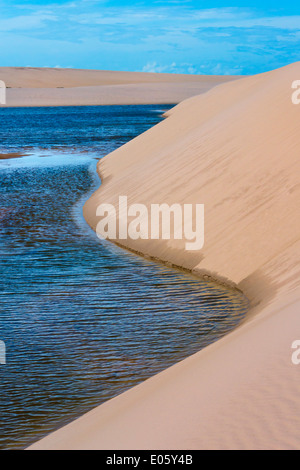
<point x="70" y="87"/>
<point x="236" y="149"/>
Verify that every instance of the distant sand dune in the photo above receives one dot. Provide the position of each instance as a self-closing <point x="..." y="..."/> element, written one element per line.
<point x="236" y="149"/>
<point x="70" y="87"/>
<point x="30" y="77"/>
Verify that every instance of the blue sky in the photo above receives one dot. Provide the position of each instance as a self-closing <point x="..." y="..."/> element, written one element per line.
<point x="157" y="36"/>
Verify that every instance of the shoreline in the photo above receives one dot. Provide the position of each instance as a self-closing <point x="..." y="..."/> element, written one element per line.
<point x="205" y="275"/>
<point x="242" y="391"/>
<point x="86" y="105"/>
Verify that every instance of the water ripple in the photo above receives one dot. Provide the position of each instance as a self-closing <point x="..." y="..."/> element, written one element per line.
<point x="83" y="320"/>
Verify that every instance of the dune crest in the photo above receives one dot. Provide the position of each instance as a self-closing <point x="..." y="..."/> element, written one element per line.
<point x="236" y="149"/>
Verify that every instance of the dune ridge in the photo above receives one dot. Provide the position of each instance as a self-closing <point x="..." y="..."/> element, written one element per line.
<point x="236" y="149"/>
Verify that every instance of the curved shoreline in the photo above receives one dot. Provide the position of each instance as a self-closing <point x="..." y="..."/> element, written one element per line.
<point x="236" y="149"/>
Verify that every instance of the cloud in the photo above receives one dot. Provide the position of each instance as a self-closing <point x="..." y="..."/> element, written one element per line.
<point x="183" y="67"/>
<point x="26" y="22"/>
<point x="157" y="37"/>
<point x="154" y="67"/>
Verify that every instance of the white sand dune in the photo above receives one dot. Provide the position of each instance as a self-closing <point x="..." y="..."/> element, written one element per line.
<point x="141" y="93"/>
<point x="236" y="149"/>
<point x="70" y="87"/>
<point x="34" y="77"/>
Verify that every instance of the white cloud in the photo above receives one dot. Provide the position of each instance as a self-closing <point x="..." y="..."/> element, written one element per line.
<point x="153" y="67"/>
<point x="166" y="37"/>
<point x="26" y="22"/>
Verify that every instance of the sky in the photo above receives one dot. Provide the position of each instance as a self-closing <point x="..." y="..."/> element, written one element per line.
<point x="178" y="36"/>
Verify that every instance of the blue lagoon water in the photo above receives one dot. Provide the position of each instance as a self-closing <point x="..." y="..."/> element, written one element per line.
<point x="82" y="319"/>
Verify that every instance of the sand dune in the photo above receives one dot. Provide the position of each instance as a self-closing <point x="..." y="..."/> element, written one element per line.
<point x="30" y="77"/>
<point x="142" y="93"/>
<point x="236" y="149"/>
<point x="69" y="87"/>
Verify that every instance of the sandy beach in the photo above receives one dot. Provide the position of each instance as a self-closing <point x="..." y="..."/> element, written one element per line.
<point x="235" y="149"/>
<point x="28" y="86"/>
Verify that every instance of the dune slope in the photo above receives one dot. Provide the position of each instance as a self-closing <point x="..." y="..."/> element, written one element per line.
<point x="236" y="149"/>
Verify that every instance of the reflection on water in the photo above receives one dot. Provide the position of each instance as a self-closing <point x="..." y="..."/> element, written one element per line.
<point x="83" y="320"/>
